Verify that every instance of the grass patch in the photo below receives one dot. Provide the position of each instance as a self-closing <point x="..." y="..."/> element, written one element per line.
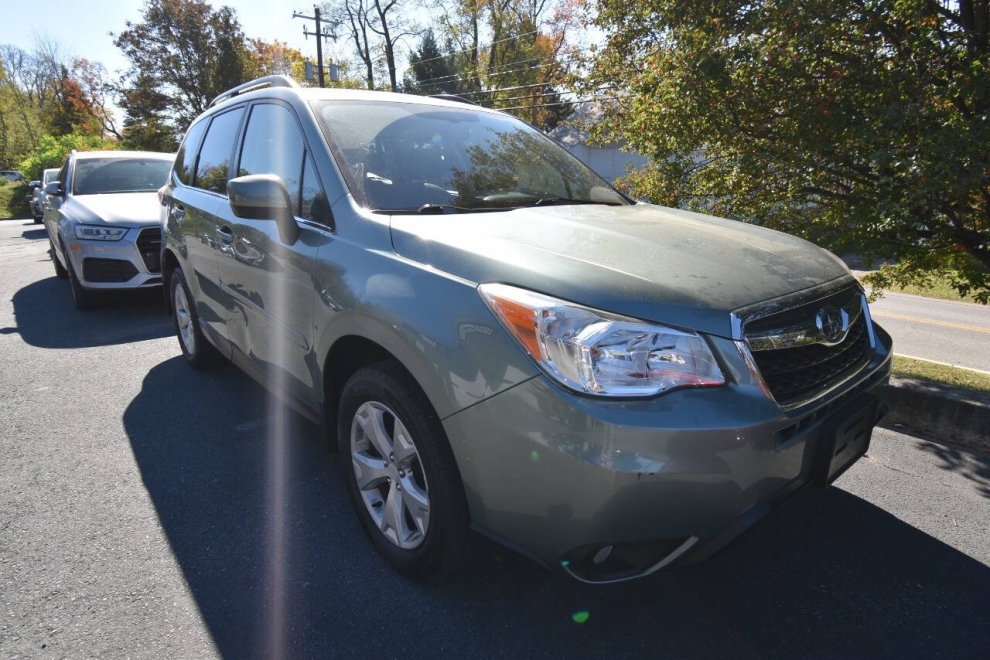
<point x="939" y="288"/>
<point x="940" y="373"/>
<point x="13" y="200"/>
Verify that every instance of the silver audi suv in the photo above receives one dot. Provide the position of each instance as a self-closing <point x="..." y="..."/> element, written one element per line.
<point x="101" y="214"/>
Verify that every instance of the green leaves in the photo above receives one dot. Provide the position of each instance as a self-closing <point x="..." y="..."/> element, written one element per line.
<point x="860" y="124"/>
<point x="182" y="54"/>
<point x="52" y="151"/>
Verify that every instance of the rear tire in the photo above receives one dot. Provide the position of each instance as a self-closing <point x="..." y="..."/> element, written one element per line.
<point x="83" y="297"/>
<point x="410" y="500"/>
<point x="196" y="349"/>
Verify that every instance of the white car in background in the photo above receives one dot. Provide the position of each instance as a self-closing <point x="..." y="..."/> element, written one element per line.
<point x="37" y="199"/>
<point x="102" y="218"/>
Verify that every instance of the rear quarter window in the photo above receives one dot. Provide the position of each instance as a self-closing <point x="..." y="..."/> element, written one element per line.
<point x="185" y="159"/>
<point x="213" y="164"/>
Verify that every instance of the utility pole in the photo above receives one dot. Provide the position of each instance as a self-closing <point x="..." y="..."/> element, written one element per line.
<point x="320" y="35"/>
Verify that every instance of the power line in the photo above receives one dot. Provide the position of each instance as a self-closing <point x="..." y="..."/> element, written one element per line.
<point x="549" y="93"/>
<point x="547" y="105"/>
<point x="502" y="89"/>
<point x="480" y="47"/>
<point x="497" y="70"/>
<point x="497" y="90"/>
<point x="538" y="95"/>
<point x="479" y="74"/>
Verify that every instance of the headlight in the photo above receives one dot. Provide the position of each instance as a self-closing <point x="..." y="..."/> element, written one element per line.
<point x="600" y="353"/>
<point x="100" y="233"/>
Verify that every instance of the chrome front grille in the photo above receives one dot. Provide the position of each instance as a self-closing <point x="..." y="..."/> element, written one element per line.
<point x="806" y="346"/>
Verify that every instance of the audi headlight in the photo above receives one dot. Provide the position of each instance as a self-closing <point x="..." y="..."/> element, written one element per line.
<point x="100" y="233"/>
<point x="599" y="353"/>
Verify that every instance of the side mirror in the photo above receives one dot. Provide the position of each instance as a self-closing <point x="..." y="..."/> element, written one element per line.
<point x="264" y="197"/>
<point x="54" y="189"/>
<point x="34" y="184"/>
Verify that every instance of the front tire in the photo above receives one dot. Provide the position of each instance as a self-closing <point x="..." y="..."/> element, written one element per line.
<point x="83" y="297"/>
<point x="400" y="472"/>
<point x="197" y="350"/>
<point x="60" y="271"/>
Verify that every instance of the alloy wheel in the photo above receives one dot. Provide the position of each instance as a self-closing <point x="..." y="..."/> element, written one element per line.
<point x="389" y="475"/>
<point x="184" y="320"/>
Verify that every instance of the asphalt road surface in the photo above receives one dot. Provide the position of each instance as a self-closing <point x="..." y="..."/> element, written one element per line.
<point x="952" y="332"/>
<point x="147" y="510"/>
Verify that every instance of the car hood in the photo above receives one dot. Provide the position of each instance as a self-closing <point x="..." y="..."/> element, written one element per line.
<point x="644" y="261"/>
<point x="121" y="209"/>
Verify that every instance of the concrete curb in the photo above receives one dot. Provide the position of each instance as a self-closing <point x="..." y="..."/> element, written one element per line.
<point x="948" y="414"/>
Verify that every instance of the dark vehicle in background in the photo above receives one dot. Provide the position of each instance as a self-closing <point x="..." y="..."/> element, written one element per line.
<point x="101" y="214"/>
<point x="37" y="197"/>
<point x="11" y="175"/>
<point x="496" y="339"/>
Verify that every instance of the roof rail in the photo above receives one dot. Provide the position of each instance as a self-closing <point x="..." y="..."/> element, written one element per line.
<point x="452" y="97"/>
<point x="257" y="83"/>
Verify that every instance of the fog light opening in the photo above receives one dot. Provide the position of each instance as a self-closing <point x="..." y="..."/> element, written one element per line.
<point x="622" y="561"/>
<point x="602" y="555"/>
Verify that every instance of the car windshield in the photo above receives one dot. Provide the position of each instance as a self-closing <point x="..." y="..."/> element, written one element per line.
<point x="98" y="176"/>
<point x="409" y="157"/>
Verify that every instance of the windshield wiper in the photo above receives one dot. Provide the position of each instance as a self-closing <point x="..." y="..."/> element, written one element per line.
<point x="550" y="201"/>
<point x="441" y="208"/>
<point x="438" y="209"/>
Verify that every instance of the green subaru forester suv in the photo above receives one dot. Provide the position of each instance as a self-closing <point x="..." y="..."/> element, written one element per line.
<point x="497" y="340"/>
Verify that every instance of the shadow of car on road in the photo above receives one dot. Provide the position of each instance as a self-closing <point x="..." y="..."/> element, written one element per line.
<point x="256" y="513"/>
<point x="34" y="234"/>
<point x="46" y="317"/>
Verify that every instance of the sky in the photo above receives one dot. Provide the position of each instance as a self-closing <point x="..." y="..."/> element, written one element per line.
<point x="82" y="27"/>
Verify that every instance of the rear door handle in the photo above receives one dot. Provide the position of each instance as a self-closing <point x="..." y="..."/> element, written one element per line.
<point x="226" y="233"/>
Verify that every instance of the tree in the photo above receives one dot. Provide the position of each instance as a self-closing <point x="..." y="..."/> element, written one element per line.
<point x="183" y="53"/>
<point x="146" y="125"/>
<point x="20" y="122"/>
<point x="64" y="106"/>
<point x="276" y="58"/>
<point x="52" y="151"/>
<point x="354" y="17"/>
<point x="862" y="124"/>
<point x="47" y="92"/>
<point x="511" y="54"/>
<point x="391" y="27"/>
<point x="95" y="85"/>
<point x="432" y="71"/>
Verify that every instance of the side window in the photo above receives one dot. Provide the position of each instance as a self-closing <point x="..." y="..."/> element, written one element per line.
<point x="313" y="204"/>
<point x="273" y="145"/>
<point x="214" y="156"/>
<point x="185" y="160"/>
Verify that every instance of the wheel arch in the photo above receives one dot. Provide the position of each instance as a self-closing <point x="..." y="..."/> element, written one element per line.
<point x="169" y="263"/>
<point x="348" y="354"/>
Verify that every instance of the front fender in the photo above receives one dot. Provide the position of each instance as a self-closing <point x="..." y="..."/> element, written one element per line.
<point x="435" y="324"/>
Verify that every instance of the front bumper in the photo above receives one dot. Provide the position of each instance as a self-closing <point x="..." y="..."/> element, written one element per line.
<point x="560" y="476"/>
<point x="130" y="263"/>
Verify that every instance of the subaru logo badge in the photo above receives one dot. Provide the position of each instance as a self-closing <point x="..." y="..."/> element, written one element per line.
<point x="832" y="324"/>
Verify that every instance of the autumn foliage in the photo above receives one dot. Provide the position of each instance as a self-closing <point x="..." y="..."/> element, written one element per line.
<point x="861" y="124"/>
